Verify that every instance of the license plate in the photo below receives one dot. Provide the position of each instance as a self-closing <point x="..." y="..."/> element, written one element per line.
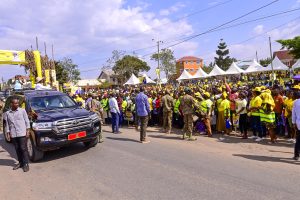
<point x="74" y="136"/>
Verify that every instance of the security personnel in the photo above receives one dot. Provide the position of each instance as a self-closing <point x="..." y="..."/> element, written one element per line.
<point x="187" y="107"/>
<point x="267" y="116"/>
<point x="105" y="106"/>
<point x="206" y="109"/>
<point x="255" y="105"/>
<point x="167" y="103"/>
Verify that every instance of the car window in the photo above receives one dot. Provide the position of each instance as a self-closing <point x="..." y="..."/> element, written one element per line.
<point x="51" y="102"/>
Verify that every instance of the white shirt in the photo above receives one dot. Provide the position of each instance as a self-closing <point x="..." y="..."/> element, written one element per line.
<point x="296" y="113"/>
<point x="113" y="105"/>
<point x="40" y="86"/>
<point x="240" y="105"/>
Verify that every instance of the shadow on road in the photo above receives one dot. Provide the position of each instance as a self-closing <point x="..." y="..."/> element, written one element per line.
<point x="268" y="159"/>
<point x="7" y="162"/>
<point x="168" y="137"/>
<point x="122" y="139"/>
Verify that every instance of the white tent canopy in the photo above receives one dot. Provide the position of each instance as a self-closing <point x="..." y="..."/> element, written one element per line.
<point x="296" y="65"/>
<point x="164" y="81"/>
<point x="148" y="80"/>
<point x="277" y="65"/>
<point x="200" y="74"/>
<point x="185" y="76"/>
<point x="216" y="71"/>
<point x="234" y="69"/>
<point x="254" y="67"/>
<point x="133" y="80"/>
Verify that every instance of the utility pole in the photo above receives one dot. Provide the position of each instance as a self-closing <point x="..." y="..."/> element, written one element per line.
<point x="271" y="56"/>
<point x="256" y="57"/>
<point x="45" y="47"/>
<point x="37" y="43"/>
<point x="158" y="57"/>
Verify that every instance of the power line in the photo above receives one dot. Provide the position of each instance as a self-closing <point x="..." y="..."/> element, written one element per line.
<point x="164" y="24"/>
<point x="221" y="25"/>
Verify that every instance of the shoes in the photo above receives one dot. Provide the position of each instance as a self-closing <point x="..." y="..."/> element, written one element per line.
<point x="18" y="166"/>
<point x="221" y="138"/>
<point x="192" y="139"/>
<point x="258" y="139"/>
<point x="145" y="142"/>
<point x="296" y="158"/>
<point x="26" y="168"/>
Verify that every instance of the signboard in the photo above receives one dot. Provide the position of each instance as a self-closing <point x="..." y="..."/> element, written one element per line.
<point x="12" y="57"/>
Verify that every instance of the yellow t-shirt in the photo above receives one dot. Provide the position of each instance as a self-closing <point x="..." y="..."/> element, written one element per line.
<point x="223" y="104"/>
<point x="150" y="100"/>
<point x="256" y="102"/>
<point x="288" y="107"/>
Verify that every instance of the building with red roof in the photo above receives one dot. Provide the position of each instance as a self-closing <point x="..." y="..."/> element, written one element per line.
<point x="188" y="63"/>
<point x="285" y="57"/>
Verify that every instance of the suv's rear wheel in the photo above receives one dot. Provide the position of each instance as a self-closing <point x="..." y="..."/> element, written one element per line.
<point x="6" y="136"/>
<point x="34" y="153"/>
<point x="91" y="143"/>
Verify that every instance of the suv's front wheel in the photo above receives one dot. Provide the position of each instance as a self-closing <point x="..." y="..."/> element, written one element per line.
<point x="33" y="152"/>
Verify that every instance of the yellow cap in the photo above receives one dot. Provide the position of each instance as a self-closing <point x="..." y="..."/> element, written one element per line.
<point x="257" y="89"/>
<point x="207" y="94"/>
<point x="225" y="94"/>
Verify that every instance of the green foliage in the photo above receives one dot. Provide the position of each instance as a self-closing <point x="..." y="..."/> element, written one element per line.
<point x="129" y="65"/>
<point x="105" y="85"/>
<point x="67" y="71"/>
<point x="265" y="62"/>
<point x="167" y="61"/>
<point x="208" y="68"/>
<point x="223" y="60"/>
<point x="293" y="45"/>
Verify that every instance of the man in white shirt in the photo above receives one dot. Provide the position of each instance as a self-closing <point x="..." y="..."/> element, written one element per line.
<point x="39" y="84"/>
<point x="296" y="124"/>
<point x="115" y="113"/>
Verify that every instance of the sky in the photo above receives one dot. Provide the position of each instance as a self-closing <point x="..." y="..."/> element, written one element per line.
<point x="88" y="31"/>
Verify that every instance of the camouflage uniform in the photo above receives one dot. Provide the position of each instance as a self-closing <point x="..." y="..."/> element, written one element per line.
<point x="1" y="113"/>
<point x="96" y="107"/>
<point x="187" y="108"/>
<point x="167" y="104"/>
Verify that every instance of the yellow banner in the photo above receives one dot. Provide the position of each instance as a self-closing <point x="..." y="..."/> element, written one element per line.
<point x="47" y="75"/>
<point x="12" y="57"/>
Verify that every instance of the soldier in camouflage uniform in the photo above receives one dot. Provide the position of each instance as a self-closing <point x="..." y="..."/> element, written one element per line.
<point x="167" y="103"/>
<point x="1" y="113"/>
<point x="187" y="107"/>
<point x="95" y="106"/>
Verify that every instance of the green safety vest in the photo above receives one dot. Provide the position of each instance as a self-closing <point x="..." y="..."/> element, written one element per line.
<point x="176" y="106"/>
<point x="105" y="105"/>
<point x="267" y="117"/>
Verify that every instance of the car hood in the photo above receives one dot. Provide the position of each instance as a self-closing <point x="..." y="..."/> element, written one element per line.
<point x="58" y="114"/>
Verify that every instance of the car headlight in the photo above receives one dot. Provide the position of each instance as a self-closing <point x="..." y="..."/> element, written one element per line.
<point x="42" y="126"/>
<point x="94" y="117"/>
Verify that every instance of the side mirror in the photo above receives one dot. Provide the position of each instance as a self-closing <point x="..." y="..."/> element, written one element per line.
<point x="79" y="104"/>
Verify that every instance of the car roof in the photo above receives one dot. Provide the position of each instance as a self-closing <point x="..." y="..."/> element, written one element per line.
<point x="35" y="93"/>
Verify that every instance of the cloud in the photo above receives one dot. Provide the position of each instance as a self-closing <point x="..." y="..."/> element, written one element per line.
<point x="86" y="30"/>
<point x="259" y="29"/>
<point x="177" y="6"/>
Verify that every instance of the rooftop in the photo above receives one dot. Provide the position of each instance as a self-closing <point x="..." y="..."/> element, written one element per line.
<point x="284" y="54"/>
<point x="188" y="58"/>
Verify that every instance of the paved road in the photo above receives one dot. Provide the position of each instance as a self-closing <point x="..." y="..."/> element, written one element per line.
<point x="166" y="168"/>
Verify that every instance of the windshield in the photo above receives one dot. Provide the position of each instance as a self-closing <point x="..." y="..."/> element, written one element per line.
<point x="51" y="102"/>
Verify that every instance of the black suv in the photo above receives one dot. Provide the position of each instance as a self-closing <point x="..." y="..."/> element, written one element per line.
<point x="56" y="121"/>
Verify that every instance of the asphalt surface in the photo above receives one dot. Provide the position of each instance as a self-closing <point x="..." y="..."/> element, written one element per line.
<point x="166" y="168"/>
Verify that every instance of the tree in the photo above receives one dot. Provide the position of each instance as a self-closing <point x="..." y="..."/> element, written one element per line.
<point x="167" y="61"/>
<point x="110" y="63"/>
<point x="223" y="60"/>
<point x="208" y="68"/>
<point x="293" y="45"/>
<point x="265" y="62"/>
<point x="67" y="71"/>
<point x="129" y="65"/>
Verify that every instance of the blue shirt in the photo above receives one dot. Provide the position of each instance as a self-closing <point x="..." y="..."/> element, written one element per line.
<point x="142" y="105"/>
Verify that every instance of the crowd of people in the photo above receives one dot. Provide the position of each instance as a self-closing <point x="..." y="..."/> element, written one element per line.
<point x="210" y="107"/>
